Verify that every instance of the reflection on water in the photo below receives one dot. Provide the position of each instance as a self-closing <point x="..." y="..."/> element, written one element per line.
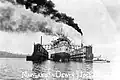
<point x="49" y="70"/>
<point x="12" y="68"/>
<point x="20" y="69"/>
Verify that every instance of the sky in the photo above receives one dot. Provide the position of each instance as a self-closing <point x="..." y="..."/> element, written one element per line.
<point x="98" y="19"/>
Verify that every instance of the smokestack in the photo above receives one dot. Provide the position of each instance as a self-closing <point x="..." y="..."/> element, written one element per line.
<point x="41" y="40"/>
<point x="82" y="41"/>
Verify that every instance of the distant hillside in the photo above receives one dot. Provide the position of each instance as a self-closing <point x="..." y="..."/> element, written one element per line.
<point x="4" y="54"/>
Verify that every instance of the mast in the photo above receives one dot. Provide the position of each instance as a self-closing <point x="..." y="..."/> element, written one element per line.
<point x="41" y="40"/>
<point x="82" y="41"/>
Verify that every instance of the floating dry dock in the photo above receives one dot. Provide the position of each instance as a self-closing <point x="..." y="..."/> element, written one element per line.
<point x="82" y="54"/>
<point x="62" y="51"/>
<point x="39" y="53"/>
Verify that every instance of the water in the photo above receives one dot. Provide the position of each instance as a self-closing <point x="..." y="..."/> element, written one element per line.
<point x="20" y="69"/>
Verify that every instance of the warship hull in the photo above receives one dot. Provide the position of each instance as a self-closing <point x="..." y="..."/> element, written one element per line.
<point x="60" y="57"/>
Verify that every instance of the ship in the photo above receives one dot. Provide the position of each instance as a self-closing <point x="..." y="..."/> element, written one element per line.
<point x="60" y="49"/>
<point x="63" y="50"/>
<point x="100" y="60"/>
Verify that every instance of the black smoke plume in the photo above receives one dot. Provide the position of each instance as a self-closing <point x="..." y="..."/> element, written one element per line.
<point x="46" y="7"/>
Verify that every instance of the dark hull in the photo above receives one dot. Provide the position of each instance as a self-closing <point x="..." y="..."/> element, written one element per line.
<point x="60" y="57"/>
<point x="36" y="58"/>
